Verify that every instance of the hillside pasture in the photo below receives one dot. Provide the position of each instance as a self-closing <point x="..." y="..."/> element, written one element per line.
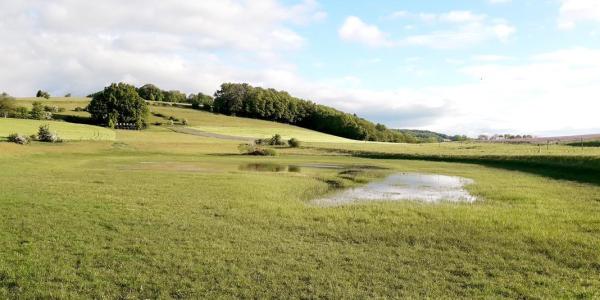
<point x="65" y="130"/>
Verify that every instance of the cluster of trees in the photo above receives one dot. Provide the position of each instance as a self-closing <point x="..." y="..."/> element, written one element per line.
<point x="42" y="94"/>
<point x="245" y="100"/>
<point x="9" y="109"/>
<point x="153" y="93"/>
<point x="119" y="103"/>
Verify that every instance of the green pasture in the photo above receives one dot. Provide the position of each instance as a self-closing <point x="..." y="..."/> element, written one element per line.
<point x="66" y="131"/>
<point x="156" y="214"/>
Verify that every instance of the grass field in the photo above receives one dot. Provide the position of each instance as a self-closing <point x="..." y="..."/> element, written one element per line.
<point x="66" y="131"/>
<point x="158" y="214"/>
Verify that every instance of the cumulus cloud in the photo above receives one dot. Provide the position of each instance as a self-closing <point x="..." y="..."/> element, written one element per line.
<point x="355" y="30"/>
<point x="553" y="91"/>
<point x="71" y="46"/>
<point x="453" y="29"/>
<point x="77" y="46"/>
<point x="573" y="12"/>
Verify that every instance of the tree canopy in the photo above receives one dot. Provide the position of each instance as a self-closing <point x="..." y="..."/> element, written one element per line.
<point x="150" y="92"/>
<point x="245" y="100"/>
<point x="119" y="103"/>
<point x="7" y="105"/>
<point x="201" y="101"/>
<point x="42" y="94"/>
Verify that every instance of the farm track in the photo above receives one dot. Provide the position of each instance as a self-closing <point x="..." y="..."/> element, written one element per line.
<point x="209" y="134"/>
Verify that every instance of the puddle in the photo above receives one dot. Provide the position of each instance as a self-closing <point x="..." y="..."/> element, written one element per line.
<point x="405" y="186"/>
<point x="273" y="167"/>
<point x="269" y="167"/>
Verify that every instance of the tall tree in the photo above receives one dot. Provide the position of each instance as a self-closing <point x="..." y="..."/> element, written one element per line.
<point x="119" y="103"/>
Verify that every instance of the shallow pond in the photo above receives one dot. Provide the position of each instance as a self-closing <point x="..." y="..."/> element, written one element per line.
<point x="405" y="186"/>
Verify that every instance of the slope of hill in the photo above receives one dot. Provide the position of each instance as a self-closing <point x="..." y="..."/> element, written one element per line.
<point x="65" y="130"/>
<point x="241" y="127"/>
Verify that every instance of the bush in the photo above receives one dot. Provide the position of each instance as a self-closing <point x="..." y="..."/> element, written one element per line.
<point x="275" y="140"/>
<point x="7" y="105"/>
<point x="68" y="95"/>
<point x="79" y="109"/>
<point x="21" y="113"/>
<point x="52" y="109"/>
<point x="294" y="143"/>
<point x="18" y="139"/>
<point x="39" y="113"/>
<point x="250" y="149"/>
<point x="184" y="122"/>
<point x="44" y="135"/>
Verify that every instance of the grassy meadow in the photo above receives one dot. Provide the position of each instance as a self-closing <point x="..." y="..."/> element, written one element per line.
<point x="160" y="214"/>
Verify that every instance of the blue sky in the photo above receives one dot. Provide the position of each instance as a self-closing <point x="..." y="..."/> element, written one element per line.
<point x="478" y="66"/>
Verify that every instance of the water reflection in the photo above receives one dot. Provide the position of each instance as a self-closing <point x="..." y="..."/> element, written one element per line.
<point x="405" y="186"/>
<point x="268" y="167"/>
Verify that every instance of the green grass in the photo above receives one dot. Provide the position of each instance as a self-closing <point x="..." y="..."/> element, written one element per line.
<point x="244" y="127"/>
<point x="137" y="219"/>
<point x="158" y="214"/>
<point x="66" y="131"/>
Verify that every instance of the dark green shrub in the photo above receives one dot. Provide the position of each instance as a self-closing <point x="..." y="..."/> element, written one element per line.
<point x="52" y="109"/>
<point x="7" y="105"/>
<point x="294" y="143"/>
<point x="250" y="149"/>
<point x="42" y="94"/>
<point x="44" y="135"/>
<point x="276" y="140"/>
<point x="21" y="113"/>
<point x="38" y="112"/>
<point x="18" y="139"/>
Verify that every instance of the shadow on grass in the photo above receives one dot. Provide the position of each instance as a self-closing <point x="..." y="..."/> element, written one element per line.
<point x="74" y="119"/>
<point x="583" y="169"/>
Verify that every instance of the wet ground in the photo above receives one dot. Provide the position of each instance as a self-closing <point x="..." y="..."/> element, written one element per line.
<point x="429" y="188"/>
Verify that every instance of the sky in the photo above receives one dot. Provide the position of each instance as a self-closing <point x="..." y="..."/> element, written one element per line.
<point x="459" y="67"/>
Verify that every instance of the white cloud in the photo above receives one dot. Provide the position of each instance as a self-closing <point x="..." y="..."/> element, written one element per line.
<point x="499" y="1"/>
<point x="491" y="58"/>
<point x="79" y="46"/>
<point x="355" y="30"/>
<point x="71" y="46"/>
<point x="453" y="29"/>
<point x="554" y="91"/>
<point x="573" y="12"/>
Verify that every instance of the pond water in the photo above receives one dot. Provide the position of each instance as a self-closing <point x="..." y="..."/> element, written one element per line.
<point x="269" y="167"/>
<point x="273" y="167"/>
<point x="429" y="188"/>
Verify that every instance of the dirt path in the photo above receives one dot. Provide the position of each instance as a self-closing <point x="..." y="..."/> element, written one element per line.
<point x="196" y="132"/>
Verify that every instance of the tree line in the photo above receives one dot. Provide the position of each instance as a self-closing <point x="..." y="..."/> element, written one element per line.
<point x="244" y="100"/>
<point x="124" y="103"/>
